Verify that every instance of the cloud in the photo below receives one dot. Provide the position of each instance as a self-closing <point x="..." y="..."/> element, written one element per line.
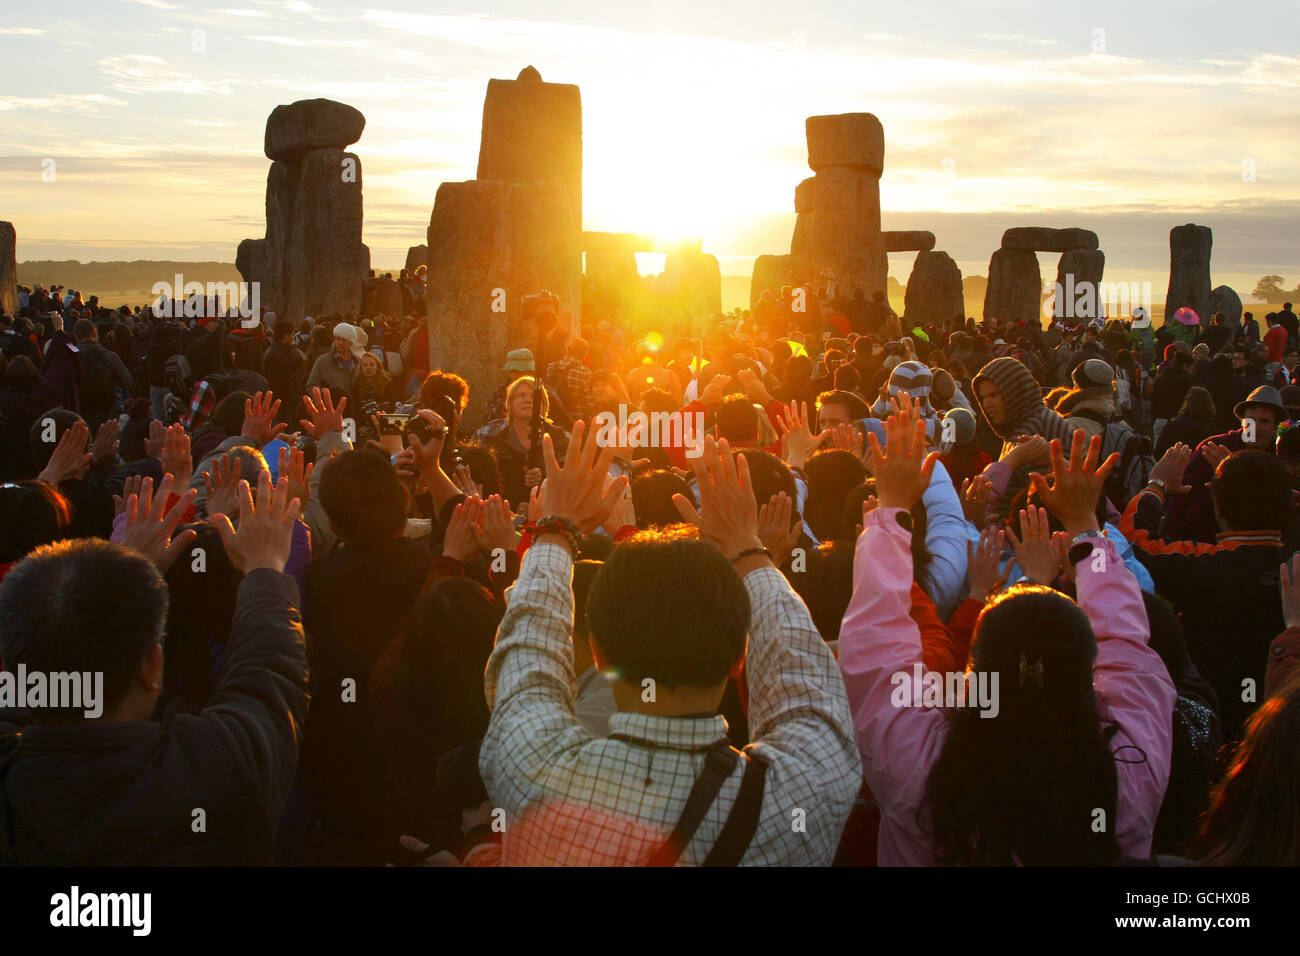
<point x="60" y="102"/>
<point x="241" y="12"/>
<point x="1016" y="38"/>
<point x="154" y="4"/>
<point x="143" y="73"/>
<point x="21" y="31"/>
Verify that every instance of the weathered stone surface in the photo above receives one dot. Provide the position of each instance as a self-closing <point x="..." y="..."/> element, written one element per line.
<point x="484" y="236"/>
<point x="1225" y="299"/>
<point x="803" y="195"/>
<point x="845" y="229"/>
<point x="801" y="257"/>
<point x="325" y="261"/>
<point x="296" y="129"/>
<point x="908" y="241"/>
<point x="8" y="268"/>
<point x="845" y="139"/>
<point x="1078" y="281"/>
<point x="1189" y="270"/>
<point x="934" y="291"/>
<point x="416" y="256"/>
<point x="1014" y="291"/>
<point x="770" y="272"/>
<point x="692" y="281"/>
<point x="532" y="132"/>
<point x="611" y="256"/>
<point x="1043" y="239"/>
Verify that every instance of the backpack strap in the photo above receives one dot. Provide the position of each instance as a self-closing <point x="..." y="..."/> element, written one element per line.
<point x="742" y="823"/>
<point x="718" y="766"/>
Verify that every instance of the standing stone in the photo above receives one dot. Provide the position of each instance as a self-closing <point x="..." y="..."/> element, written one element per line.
<point x="610" y="256"/>
<point x="416" y="256"/>
<point x="293" y="131"/>
<point x="1078" y="284"/>
<point x="1014" y="291"/>
<point x="490" y="244"/>
<point x="847" y="152"/>
<point x="801" y="253"/>
<point x="8" y="268"/>
<point x="909" y="241"/>
<point x="1225" y="299"/>
<point x="312" y="261"/>
<point x="770" y="272"/>
<point x="326" y="263"/>
<point x="803" y="195"/>
<point x="1042" y="239"/>
<point x="693" y="280"/>
<point x="934" y="291"/>
<point x="388" y="299"/>
<point x="532" y="132"/>
<point x="1189" y="270"/>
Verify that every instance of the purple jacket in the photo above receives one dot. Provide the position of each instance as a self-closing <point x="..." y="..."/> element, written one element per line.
<point x="899" y="745"/>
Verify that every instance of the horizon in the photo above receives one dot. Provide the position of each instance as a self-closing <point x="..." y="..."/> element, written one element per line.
<point x="149" y="134"/>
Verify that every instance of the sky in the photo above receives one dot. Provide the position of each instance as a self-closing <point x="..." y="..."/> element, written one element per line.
<point x="132" y="129"/>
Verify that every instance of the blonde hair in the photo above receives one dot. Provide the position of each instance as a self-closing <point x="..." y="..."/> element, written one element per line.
<point x="513" y="387"/>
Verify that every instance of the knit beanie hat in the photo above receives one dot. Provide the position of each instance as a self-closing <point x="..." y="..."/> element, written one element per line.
<point x="1093" y="373"/>
<point x="345" y="331"/>
<point x="963" y="425"/>
<point x="912" y="379"/>
<point x="942" y="386"/>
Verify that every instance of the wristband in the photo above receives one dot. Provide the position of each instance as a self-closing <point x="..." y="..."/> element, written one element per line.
<point x="552" y="524"/>
<point x="750" y="552"/>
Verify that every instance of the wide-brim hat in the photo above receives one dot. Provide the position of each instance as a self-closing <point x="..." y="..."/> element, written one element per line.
<point x="1264" y="395"/>
<point x="1187" y="316"/>
<point x="1141" y="318"/>
<point x="519" y="360"/>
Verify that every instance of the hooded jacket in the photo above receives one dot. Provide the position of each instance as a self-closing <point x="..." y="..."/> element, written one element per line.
<point x="1025" y="414"/>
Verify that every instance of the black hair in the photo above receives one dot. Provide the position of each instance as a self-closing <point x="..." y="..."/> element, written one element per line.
<point x="42" y="449"/>
<point x="668" y="607"/>
<point x="738" y="419"/>
<point x="769" y="475"/>
<point x="363" y="497"/>
<point x="826" y="585"/>
<point x="652" y="497"/>
<point x="1252" y="490"/>
<point x="584" y="575"/>
<point x="203" y="586"/>
<point x="1031" y="784"/>
<point x="832" y="473"/>
<point x="32" y="513"/>
<point x="853" y="405"/>
<point x="82" y="605"/>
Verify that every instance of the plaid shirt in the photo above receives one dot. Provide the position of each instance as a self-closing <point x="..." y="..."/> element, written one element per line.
<point x="570" y="798"/>
<point x="572" y="380"/>
<point x="202" y="402"/>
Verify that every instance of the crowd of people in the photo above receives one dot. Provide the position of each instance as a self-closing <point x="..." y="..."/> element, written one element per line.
<point x="968" y="593"/>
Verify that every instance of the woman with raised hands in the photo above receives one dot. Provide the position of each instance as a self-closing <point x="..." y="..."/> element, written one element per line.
<point x="1054" y="747"/>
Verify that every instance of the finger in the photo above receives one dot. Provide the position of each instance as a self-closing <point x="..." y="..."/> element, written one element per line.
<point x="244" y="500"/>
<point x="1041" y="487"/>
<point x="576" y="458"/>
<point x="1058" y="456"/>
<point x="227" y="531"/>
<point x="927" y="467"/>
<point x="1094" y="450"/>
<point x="1107" y="465"/>
<point x="686" y="509"/>
<point x="613" y="495"/>
<point x="177" y="545"/>
<point x="548" y="454"/>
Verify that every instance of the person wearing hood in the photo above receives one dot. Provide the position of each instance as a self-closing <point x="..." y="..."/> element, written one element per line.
<point x="1090" y="405"/>
<point x="1012" y="403"/>
<point x="337" y="369"/>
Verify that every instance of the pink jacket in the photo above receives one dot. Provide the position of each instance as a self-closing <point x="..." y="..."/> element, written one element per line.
<point x="899" y="745"/>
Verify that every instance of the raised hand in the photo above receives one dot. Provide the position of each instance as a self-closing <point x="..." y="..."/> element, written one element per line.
<point x="104" y="450"/>
<point x="259" y="418"/>
<point x="150" y="523"/>
<point x="1029" y="450"/>
<point x="175" y="456"/>
<point x="1214" y="453"/>
<point x="754" y="388"/>
<point x="776" y="527"/>
<point x="1289" y="578"/>
<point x="577" y="491"/>
<point x="623" y="515"/>
<point x="844" y="435"/>
<point x="130" y="486"/>
<point x="1035" y="551"/>
<point x="535" y="504"/>
<point x="498" y="526"/>
<point x="716" y="390"/>
<point x="265" y="533"/>
<point x="798" y="440"/>
<point x="461" y="539"/>
<point x="324" y="416"/>
<point x="294" y="467"/>
<point x="1171" y="467"/>
<point x="465" y="481"/>
<point x="974" y="496"/>
<point x="903" y="467"/>
<point x="222" y="484"/>
<point x="153" y="445"/>
<point x="70" y="458"/>
<point x="1076" y="485"/>
<point x="427" y="458"/>
<point x="984" y="563"/>
<point x="728" y="516"/>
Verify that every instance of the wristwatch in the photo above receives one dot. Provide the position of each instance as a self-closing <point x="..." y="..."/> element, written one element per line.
<point x="1081" y="545"/>
<point x="1157" y="483"/>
